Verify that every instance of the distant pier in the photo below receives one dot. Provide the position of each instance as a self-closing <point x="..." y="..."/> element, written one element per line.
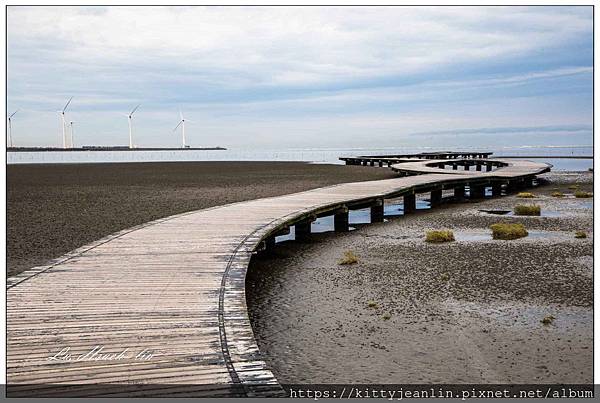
<point x="545" y="157"/>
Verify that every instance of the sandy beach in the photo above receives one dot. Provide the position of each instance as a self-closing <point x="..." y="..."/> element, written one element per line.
<point x="53" y="209"/>
<point x="469" y="311"/>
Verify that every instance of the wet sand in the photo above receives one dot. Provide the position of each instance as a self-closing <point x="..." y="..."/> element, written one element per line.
<point x="55" y="208"/>
<point x="463" y="312"/>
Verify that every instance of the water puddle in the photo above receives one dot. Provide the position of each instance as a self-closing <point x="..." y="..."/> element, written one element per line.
<point x="476" y="236"/>
<point x="587" y="204"/>
<point x="319" y="226"/>
<point x="510" y="213"/>
<point x="362" y="216"/>
<point x="496" y="212"/>
<point x="397" y="209"/>
<point x="288" y="237"/>
<point x="355" y="217"/>
<point x="525" y="315"/>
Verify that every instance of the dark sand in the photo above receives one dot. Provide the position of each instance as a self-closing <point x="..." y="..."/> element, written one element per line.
<point x="464" y="312"/>
<point x="55" y="208"/>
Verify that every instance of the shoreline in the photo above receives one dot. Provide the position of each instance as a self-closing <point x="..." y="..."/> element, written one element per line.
<point x="110" y="148"/>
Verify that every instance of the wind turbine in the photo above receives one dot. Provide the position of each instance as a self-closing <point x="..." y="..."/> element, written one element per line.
<point x="71" y="125"/>
<point x="182" y="124"/>
<point x="10" y="142"/>
<point x="64" y="123"/>
<point x="129" y="120"/>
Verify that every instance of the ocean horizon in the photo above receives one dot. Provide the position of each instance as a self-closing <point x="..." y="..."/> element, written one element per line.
<point x="312" y="155"/>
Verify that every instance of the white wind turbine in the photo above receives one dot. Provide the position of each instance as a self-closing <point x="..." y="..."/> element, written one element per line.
<point x="64" y="123"/>
<point x="10" y="141"/>
<point x="182" y="124"/>
<point x="129" y="117"/>
<point x="71" y="133"/>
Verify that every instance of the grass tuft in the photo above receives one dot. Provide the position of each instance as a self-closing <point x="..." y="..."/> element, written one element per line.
<point x="525" y="195"/>
<point x="580" y="234"/>
<point x="386" y="316"/>
<point x="527" y="209"/>
<point x="558" y="194"/>
<point x="548" y="320"/>
<point x="439" y="236"/>
<point x="580" y="194"/>
<point x="445" y="277"/>
<point x="372" y="304"/>
<point x="508" y="231"/>
<point x="349" y="258"/>
<point x="574" y="187"/>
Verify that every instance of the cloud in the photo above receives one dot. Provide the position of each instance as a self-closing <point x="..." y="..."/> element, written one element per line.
<point x="511" y="130"/>
<point x="277" y="66"/>
<point x="290" y="45"/>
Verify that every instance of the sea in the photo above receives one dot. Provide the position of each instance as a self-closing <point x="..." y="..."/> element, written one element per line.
<point x="311" y="155"/>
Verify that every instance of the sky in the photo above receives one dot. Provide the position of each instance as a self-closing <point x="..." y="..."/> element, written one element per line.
<point x="302" y="77"/>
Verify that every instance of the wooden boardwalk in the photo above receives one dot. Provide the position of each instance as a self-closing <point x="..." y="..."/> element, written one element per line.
<point x="167" y="298"/>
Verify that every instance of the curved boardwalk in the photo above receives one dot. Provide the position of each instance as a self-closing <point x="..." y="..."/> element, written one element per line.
<point x="172" y="291"/>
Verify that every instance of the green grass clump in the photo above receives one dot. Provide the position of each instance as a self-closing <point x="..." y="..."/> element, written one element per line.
<point x="439" y="236"/>
<point x="386" y="316"/>
<point x="525" y="195"/>
<point x="508" y="231"/>
<point x="558" y="194"/>
<point x="527" y="209"/>
<point x="348" y="258"/>
<point x="548" y="320"/>
<point x="580" y="194"/>
<point x="372" y="304"/>
<point x="445" y="277"/>
<point x="574" y="187"/>
<point x="580" y="234"/>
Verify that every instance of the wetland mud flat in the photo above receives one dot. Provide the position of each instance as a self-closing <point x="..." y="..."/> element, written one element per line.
<point x="469" y="311"/>
<point x="55" y="208"/>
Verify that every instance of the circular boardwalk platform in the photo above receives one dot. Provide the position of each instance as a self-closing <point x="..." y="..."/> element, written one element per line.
<point x="160" y="309"/>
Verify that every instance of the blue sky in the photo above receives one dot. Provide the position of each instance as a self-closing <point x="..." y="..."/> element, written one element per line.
<point x="279" y="77"/>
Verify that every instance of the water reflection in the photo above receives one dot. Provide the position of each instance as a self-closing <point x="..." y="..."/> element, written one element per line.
<point x="355" y="217"/>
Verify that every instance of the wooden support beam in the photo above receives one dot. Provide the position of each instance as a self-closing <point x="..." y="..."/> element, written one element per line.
<point x="436" y="197"/>
<point x="476" y="192"/>
<point x="410" y="204"/>
<point x="302" y="229"/>
<point x="340" y="222"/>
<point x="377" y="211"/>
<point x="521" y="184"/>
<point x="511" y="187"/>
<point x="496" y="189"/>
<point x="459" y="192"/>
<point x="270" y="242"/>
<point x="528" y="182"/>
